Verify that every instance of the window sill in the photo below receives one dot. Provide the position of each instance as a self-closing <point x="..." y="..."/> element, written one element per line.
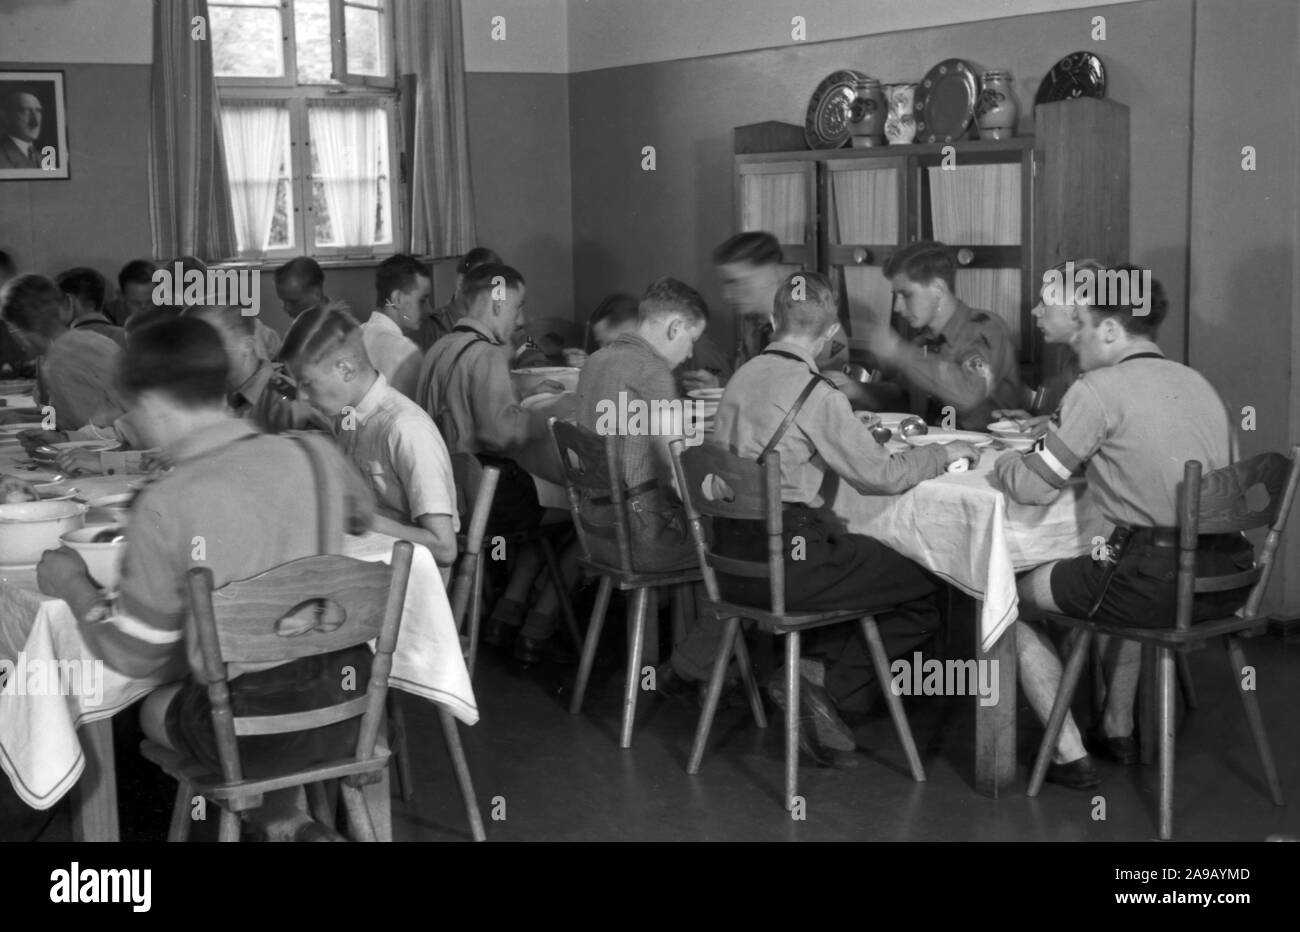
<point x="326" y="263"/>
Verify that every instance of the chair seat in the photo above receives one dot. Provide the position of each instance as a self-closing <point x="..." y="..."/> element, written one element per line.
<point x="783" y="623"/>
<point x="207" y="782"/>
<point x="1192" y="638"/>
<point x="624" y="580"/>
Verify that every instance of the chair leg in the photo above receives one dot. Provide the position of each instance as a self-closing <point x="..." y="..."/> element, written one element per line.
<point x="561" y="592"/>
<point x="401" y="758"/>
<point x="1185" y="681"/>
<point x="475" y="613"/>
<point x="791" y="719"/>
<point x="1148" y="706"/>
<point x="1060" y="708"/>
<point x="880" y="661"/>
<point x="228" y="828"/>
<point x="1097" y="663"/>
<point x="1165" y="688"/>
<point x="592" y="642"/>
<point x="451" y="734"/>
<point x="637" y="612"/>
<point x="322" y="802"/>
<point x="747" y="677"/>
<point x="1250" y="701"/>
<point x="359" y="823"/>
<point x="179" y="829"/>
<point x="716" y="679"/>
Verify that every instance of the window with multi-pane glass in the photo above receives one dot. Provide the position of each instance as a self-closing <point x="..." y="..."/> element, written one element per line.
<point x="308" y="118"/>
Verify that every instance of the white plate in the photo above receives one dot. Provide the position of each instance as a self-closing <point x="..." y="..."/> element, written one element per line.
<point x="1007" y="428"/>
<point x="891" y="419"/>
<point x="706" y="394"/>
<point x="88" y="446"/>
<point x="939" y="435"/>
<point x="533" y="401"/>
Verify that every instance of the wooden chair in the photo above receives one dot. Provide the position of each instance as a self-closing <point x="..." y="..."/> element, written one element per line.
<point x="476" y="486"/>
<point x="592" y="470"/>
<point x="243" y="624"/>
<point x="720" y="484"/>
<point x="1216" y="504"/>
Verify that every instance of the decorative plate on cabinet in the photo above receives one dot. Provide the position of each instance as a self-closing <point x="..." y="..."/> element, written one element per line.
<point x="1079" y="74"/>
<point x="945" y="101"/>
<point x="826" y="125"/>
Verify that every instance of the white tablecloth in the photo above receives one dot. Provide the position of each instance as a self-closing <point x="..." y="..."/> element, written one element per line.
<point x="965" y="530"/>
<point x="39" y="748"/>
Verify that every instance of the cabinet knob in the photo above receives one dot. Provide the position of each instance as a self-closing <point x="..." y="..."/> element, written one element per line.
<point x="965" y="256"/>
<point x="861" y="256"/>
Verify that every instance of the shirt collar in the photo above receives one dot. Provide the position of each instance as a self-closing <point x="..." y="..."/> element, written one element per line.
<point x="629" y="338"/>
<point x="479" y="327"/>
<point x="793" y="349"/>
<point x="23" y="145"/>
<point x="370" y="401"/>
<point x="384" y="322"/>
<point x="212" y="437"/>
<point x="255" y="384"/>
<point x="94" y="317"/>
<point x="956" y="323"/>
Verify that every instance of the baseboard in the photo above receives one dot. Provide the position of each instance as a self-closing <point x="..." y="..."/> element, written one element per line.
<point x="1285" y="627"/>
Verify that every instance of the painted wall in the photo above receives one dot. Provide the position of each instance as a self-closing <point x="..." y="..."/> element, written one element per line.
<point x="631" y="226"/>
<point x="1244" y="317"/>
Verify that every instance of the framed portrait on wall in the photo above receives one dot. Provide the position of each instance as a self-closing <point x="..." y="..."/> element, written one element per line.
<point x="33" y="126"/>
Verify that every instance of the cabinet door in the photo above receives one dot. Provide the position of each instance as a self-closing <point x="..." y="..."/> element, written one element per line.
<point x="781" y="198"/>
<point x="865" y="214"/>
<point x="978" y="210"/>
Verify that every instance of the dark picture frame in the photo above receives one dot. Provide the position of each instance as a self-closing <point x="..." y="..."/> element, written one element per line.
<point x="33" y="126"/>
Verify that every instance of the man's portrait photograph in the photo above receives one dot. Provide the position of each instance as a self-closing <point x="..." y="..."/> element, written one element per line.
<point x="33" y="126"/>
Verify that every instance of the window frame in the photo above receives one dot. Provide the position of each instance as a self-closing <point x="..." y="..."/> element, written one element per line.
<point x="383" y="90"/>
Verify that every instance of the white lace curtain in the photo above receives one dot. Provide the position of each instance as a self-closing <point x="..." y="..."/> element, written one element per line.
<point x="864" y="208"/>
<point x="346" y="139"/>
<point x="256" y="137"/>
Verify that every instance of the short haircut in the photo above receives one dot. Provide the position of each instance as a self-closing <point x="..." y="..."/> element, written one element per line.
<point x="1139" y="325"/>
<point x="483" y="279"/>
<point x="755" y="247"/>
<point x="180" y="357"/>
<point x="304" y="270"/>
<point x="136" y="272"/>
<point x="804" y="304"/>
<point x="231" y="319"/>
<point x="398" y="273"/>
<point x="84" y="284"/>
<point x="667" y="296"/>
<point x="323" y="332"/>
<point x="7" y="266"/>
<point x="479" y="255"/>
<point x="31" y="303"/>
<point x="615" y="309"/>
<point x="924" y="262"/>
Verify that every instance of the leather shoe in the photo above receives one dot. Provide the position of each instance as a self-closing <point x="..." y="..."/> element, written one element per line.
<point x="1122" y="750"/>
<point x="816" y="708"/>
<point x="499" y="634"/>
<point x="535" y="650"/>
<point x="1077" y="774"/>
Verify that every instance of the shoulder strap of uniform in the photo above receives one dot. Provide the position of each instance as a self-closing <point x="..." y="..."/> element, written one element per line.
<point x="790" y="415"/>
<point x="329" y="498"/>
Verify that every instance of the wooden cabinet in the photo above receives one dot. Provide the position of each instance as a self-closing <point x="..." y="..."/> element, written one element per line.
<point x="1010" y="209"/>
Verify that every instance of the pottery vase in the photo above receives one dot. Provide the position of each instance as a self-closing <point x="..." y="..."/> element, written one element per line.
<point x="867" y="118"/>
<point x="997" y="109"/>
<point x="900" y="124"/>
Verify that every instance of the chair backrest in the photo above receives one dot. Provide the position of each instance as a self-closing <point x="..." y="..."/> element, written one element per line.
<point x="593" y="475"/>
<point x="716" y="483"/>
<point x="304" y="608"/>
<point x="476" y="487"/>
<point x="1221" y="503"/>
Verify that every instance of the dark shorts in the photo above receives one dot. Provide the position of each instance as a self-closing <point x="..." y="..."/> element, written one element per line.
<point x="308" y="683"/>
<point x="1143" y="589"/>
<point x="514" y="507"/>
<point x="826" y="568"/>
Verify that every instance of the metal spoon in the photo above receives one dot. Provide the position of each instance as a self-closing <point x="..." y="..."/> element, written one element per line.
<point x="882" y="434"/>
<point x="912" y="427"/>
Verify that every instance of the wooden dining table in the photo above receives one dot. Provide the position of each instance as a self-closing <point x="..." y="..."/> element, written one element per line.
<point x="965" y="530"/>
